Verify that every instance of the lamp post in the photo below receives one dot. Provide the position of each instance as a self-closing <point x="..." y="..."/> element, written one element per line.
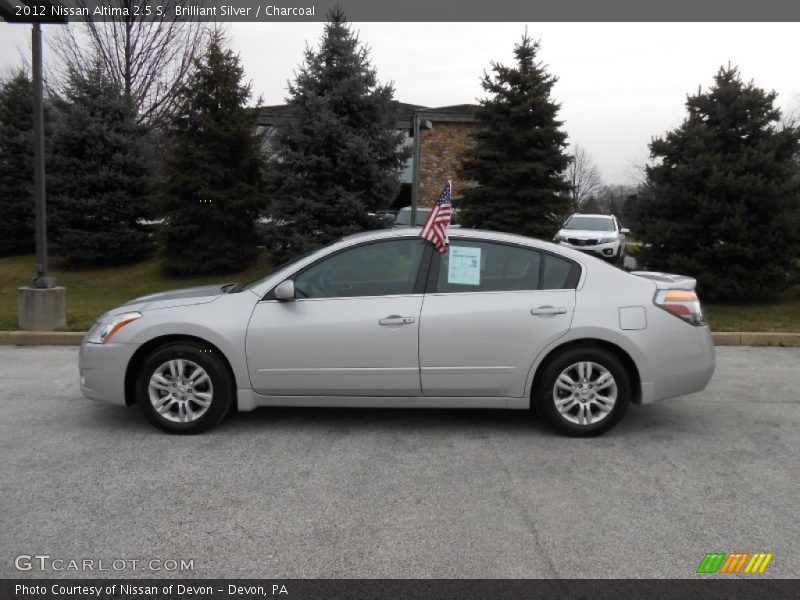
<point x="42" y="280"/>
<point x="41" y="305"/>
<point x="415" y="173"/>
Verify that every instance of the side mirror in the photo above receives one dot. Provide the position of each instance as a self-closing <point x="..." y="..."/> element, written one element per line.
<point x="624" y="231"/>
<point x="285" y="291"/>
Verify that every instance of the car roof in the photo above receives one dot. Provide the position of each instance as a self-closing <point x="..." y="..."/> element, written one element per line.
<point x="592" y="216"/>
<point x="381" y="234"/>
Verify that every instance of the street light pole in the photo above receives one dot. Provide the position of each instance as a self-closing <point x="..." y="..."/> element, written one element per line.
<point x="41" y="305"/>
<point x="415" y="173"/>
<point x="41" y="280"/>
<point x="417" y="125"/>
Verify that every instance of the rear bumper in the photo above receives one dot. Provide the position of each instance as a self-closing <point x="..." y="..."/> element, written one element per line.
<point x="685" y="375"/>
<point x="102" y="371"/>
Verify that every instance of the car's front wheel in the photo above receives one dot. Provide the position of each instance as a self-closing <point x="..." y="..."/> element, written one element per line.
<point x="184" y="388"/>
<point x="583" y="391"/>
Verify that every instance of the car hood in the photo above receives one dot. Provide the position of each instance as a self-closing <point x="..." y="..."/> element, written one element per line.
<point x="172" y="298"/>
<point x="587" y="234"/>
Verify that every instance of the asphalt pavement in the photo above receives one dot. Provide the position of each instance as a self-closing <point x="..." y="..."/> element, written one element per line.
<point x="393" y="493"/>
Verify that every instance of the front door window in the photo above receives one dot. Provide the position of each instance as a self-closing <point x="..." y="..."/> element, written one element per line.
<point x="376" y="269"/>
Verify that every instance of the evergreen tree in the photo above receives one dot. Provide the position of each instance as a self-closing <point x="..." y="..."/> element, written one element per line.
<point x="339" y="156"/>
<point x="98" y="181"/>
<point x="723" y="202"/>
<point x="17" y="233"/>
<point x="519" y="158"/>
<point x="212" y="188"/>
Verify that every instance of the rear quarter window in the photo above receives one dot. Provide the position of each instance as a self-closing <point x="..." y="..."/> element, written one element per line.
<point x="559" y="273"/>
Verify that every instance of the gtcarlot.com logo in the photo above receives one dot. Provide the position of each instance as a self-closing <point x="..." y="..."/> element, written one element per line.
<point x="735" y="562"/>
<point x="45" y="562"/>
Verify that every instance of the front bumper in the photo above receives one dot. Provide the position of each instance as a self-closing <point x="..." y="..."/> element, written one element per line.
<point x="102" y="370"/>
<point x="604" y="250"/>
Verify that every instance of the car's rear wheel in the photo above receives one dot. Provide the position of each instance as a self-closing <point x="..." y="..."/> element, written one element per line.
<point x="583" y="391"/>
<point x="184" y="388"/>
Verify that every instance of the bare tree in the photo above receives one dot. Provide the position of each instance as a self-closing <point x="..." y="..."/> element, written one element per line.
<point x="584" y="177"/>
<point x="634" y="173"/>
<point x="791" y="115"/>
<point x="611" y="199"/>
<point x="147" y="56"/>
<point x="791" y="120"/>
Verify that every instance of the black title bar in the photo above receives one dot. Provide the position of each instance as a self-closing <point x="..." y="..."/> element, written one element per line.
<point x="403" y="10"/>
<point x="707" y="588"/>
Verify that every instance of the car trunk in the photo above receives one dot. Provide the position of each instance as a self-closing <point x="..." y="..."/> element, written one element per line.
<point x="668" y="281"/>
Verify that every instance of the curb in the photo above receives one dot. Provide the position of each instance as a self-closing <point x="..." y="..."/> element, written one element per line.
<point x="42" y="338"/>
<point x="745" y="338"/>
<point x="721" y="338"/>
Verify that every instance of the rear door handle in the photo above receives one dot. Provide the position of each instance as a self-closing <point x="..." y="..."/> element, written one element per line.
<point x="396" y="320"/>
<point x="548" y="310"/>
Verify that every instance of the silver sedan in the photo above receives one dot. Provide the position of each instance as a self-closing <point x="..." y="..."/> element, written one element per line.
<point x="383" y="320"/>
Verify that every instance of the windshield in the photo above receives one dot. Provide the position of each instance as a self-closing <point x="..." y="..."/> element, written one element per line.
<point x="404" y="216"/>
<point x="590" y="223"/>
<point x="246" y="286"/>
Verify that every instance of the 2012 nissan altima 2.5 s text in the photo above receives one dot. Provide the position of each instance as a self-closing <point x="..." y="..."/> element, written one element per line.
<point x="381" y="319"/>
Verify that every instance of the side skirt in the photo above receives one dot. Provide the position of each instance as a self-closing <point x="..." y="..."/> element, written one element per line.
<point x="248" y="400"/>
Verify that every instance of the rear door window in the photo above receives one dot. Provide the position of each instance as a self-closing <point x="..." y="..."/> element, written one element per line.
<point x="487" y="267"/>
<point x="473" y="266"/>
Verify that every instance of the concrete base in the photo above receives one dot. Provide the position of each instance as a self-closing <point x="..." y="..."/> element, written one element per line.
<point x="42" y="309"/>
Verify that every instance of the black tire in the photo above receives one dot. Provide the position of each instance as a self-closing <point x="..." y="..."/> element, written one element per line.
<point x="221" y="387"/>
<point x="545" y="402"/>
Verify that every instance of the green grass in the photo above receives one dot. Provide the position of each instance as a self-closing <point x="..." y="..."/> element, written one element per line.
<point x="91" y="292"/>
<point x="783" y="315"/>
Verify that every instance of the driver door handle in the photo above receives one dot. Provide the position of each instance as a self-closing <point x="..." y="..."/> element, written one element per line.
<point x="396" y="320"/>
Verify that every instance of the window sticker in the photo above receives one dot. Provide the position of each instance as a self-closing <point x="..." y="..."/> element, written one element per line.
<point x="464" y="265"/>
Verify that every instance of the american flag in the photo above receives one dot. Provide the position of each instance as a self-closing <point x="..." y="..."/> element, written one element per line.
<point x="435" y="228"/>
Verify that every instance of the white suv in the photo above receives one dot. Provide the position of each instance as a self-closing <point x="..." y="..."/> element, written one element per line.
<point x="595" y="234"/>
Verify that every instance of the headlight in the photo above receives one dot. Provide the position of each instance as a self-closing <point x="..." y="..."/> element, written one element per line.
<point x="105" y="328"/>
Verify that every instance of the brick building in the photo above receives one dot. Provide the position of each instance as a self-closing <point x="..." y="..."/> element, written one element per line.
<point x="447" y="133"/>
<point x="444" y="133"/>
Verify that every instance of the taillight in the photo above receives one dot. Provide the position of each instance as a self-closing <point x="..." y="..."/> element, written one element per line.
<point x="681" y="303"/>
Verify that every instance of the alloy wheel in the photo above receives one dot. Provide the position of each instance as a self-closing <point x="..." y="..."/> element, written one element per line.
<point x="585" y="393"/>
<point x="180" y="390"/>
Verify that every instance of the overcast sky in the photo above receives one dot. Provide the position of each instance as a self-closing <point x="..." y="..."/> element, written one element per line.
<point x="619" y="84"/>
